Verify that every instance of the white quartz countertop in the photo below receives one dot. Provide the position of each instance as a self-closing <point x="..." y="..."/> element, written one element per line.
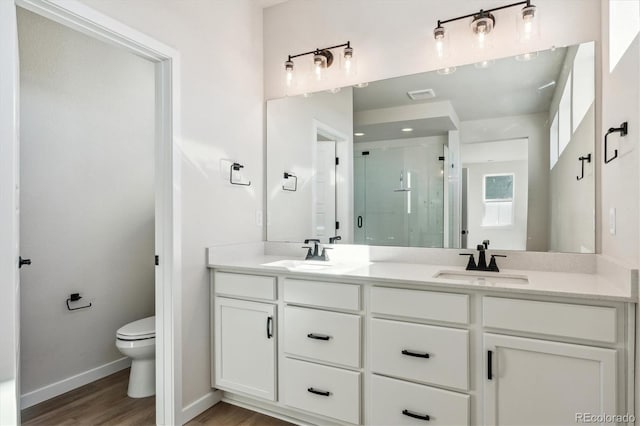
<point x="563" y="284"/>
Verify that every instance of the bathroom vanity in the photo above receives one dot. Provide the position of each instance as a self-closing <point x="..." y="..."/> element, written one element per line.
<point x="392" y="343"/>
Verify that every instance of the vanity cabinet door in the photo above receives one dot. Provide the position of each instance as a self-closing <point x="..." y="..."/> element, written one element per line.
<point x="245" y="348"/>
<point x="531" y="381"/>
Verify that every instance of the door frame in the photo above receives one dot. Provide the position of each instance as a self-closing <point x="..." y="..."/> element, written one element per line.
<point x="343" y="177"/>
<point x="78" y="16"/>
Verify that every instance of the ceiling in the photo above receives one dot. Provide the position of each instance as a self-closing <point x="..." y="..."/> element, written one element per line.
<point x="506" y="87"/>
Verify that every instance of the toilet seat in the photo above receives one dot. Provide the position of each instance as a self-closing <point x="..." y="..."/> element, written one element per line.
<point x="143" y="329"/>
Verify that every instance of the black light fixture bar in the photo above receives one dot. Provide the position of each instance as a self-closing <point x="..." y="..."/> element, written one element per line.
<point x="314" y="52"/>
<point x="482" y="11"/>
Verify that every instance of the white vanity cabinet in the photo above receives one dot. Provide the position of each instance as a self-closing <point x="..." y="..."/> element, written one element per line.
<point x="244" y="335"/>
<point x="322" y="351"/>
<point x="548" y="382"/>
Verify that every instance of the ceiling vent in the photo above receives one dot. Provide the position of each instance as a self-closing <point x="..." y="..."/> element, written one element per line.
<point x="420" y="95"/>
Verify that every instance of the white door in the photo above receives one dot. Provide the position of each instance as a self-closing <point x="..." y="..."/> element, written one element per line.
<point x="245" y="349"/>
<point x="539" y="382"/>
<point x="324" y="189"/>
<point x="9" y="214"/>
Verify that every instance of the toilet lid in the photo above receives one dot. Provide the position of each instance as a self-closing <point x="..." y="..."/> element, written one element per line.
<point x="141" y="329"/>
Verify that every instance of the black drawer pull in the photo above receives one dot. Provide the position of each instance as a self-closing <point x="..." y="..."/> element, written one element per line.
<point x="318" y="336"/>
<point x="416" y="354"/>
<point x="269" y="327"/>
<point x="489" y="365"/>
<point x="416" y="416"/>
<point x="319" y="392"/>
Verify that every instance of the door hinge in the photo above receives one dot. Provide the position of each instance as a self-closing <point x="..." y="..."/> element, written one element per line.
<point x="157" y="260"/>
<point x="365" y="152"/>
<point x="337" y="225"/>
<point x="337" y="161"/>
<point x="441" y="158"/>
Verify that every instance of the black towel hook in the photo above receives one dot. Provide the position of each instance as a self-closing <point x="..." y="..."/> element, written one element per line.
<point x="623" y="129"/>
<point x="582" y="159"/>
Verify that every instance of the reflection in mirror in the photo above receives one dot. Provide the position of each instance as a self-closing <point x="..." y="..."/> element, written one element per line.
<point x="489" y="152"/>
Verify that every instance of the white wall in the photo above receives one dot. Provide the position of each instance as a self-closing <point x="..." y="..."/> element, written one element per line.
<point x="533" y="127"/>
<point x="395" y="38"/>
<point x="87" y="197"/>
<point x="620" y="186"/>
<point x="220" y="46"/>
<point x="291" y="148"/>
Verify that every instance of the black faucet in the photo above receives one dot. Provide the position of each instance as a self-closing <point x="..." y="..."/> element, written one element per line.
<point x="482" y="259"/>
<point x="332" y="240"/>
<point x="313" y="255"/>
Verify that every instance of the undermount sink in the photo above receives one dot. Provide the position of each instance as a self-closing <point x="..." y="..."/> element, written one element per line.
<point x="311" y="266"/>
<point x="482" y="278"/>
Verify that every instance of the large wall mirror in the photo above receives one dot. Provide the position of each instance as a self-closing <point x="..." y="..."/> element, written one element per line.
<point x="500" y="150"/>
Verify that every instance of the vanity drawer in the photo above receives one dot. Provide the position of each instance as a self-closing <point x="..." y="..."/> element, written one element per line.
<point x="323" y="294"/>
<point x="326" y="336"/>
<point x="555" y="319"/>
<point x="242" y="285"/>
<point x="391" y="398"/>
<point x="337" y="391"/>
<point x="396" y="348"/>
<point x="429" y="305"/>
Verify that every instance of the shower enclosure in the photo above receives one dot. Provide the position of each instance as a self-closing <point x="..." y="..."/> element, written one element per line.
<point x="399" y="196"/>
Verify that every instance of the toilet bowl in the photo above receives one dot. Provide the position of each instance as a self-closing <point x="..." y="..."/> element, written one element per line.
<point x="137" y="340"/>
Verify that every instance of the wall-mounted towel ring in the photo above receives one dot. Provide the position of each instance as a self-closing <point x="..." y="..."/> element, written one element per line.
<point x="74" y="297"/>
<point x="582" y="159"/>
<point x="623" y="129"/>
<point x="295" y="182"/>
<point x="236" y="167"/>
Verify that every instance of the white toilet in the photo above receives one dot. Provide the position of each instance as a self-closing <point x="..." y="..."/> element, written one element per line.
<point x="137" y="340"/>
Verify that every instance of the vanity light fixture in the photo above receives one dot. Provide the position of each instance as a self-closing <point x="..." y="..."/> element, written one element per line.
<point x="483" y="22"/>
<point x="322" y="60"/>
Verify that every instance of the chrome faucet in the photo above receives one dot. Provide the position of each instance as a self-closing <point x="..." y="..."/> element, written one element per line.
<point x="313" y="255"/>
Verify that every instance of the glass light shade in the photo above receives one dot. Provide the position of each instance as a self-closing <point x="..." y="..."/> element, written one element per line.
<point x="481" y="27"/>
<point x="349" y="62"/>
<point x="319" y="66"/>
<point x="288" y="73"/>
<point x="441" y="42"/>
<point x="528" y="24"/>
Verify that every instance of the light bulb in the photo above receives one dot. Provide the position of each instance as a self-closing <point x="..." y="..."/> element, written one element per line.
<point x="348" y="60"/>
<point x="288" y="67"/>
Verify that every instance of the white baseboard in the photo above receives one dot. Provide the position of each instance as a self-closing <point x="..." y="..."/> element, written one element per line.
<point x="201" y="405"/>
<point x="70" y="383"/>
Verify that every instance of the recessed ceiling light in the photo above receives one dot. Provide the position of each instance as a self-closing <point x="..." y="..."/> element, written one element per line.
<point x="361" y="85"/>
<point x="358" y="134"/>
<point x="407" y="129"/>
<point x="447" y="70"/>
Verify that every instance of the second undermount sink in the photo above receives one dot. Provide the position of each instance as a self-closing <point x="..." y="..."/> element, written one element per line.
<point x="482" y="278"/>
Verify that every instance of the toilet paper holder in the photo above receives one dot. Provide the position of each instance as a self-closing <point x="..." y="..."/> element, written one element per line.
<point x="74" y="297"/>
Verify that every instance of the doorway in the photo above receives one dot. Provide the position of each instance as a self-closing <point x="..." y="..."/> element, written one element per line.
<point x="87" y="112"/>
<point x="165" y="60"/>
